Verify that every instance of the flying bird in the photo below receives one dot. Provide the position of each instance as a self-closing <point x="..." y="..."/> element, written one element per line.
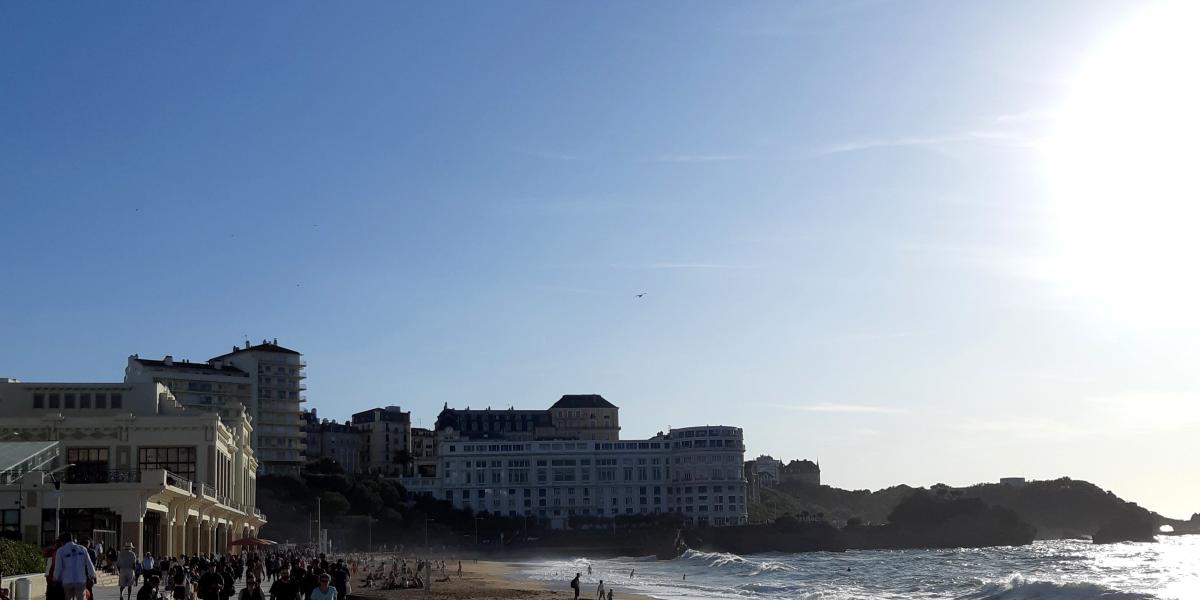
<point x="640" y="295"/>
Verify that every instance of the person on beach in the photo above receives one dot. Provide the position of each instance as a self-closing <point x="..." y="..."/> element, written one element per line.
<point x="631" y="573"/>
<point x="600" y="590"/>
<point x="609" y="593"/>
<point x="575" y="585"/>
<point x="126" y="561"/>
<point x="589" y="569"/>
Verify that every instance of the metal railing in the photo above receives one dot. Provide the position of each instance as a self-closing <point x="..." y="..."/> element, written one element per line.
<point x="259" y="514"/>
<point x="207" y="490"/>
<point x="179" y="481"/>
<point x="79" y="475"/>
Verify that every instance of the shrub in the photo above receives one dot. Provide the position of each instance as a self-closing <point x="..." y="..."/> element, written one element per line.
<point x="19" y="557"/>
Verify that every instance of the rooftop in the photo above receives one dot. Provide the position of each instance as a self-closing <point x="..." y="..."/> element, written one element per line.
<point x="265" y="346"/>
<point x="191" y="366"/>
<point x="583" y="401"/>
<point x="13" y="454"/>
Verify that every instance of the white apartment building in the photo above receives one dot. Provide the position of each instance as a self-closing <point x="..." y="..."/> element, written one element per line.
<point x="693" y="471"/>
<point x="134" y="465"/>
<point x="276" y="392"/>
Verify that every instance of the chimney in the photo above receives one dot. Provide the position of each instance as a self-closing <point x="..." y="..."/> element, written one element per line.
<point x="247" y="344"/>
<point x="274" y="341"/>
<point x="167" y="360"/>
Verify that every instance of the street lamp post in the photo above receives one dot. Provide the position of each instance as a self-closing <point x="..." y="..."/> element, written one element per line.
<point x="427" y="522"/>
<point x="320" y="546"/>
<point x="477" y="519"/>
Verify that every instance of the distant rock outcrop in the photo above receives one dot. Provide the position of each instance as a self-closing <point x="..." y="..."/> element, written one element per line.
<point x="1133" y="528"/>
<point x="1059" y="508"/>
<point x="924" y="520"/>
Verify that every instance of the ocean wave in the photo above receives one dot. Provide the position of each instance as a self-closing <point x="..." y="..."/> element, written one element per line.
<point x="714" y="559"/>
<point x="1020" y="588"/>
<point x="734" y="564"/>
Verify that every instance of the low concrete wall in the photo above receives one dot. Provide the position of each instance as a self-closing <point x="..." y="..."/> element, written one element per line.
<point x="37" y="585"/>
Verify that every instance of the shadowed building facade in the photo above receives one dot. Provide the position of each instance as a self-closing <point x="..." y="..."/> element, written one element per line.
<point x="133" y="465"/>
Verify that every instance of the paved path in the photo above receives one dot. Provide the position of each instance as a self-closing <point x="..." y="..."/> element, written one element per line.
<point x="109" y="592"/>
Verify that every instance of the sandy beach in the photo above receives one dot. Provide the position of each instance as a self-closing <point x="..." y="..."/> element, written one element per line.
<point x="488" y="580"/>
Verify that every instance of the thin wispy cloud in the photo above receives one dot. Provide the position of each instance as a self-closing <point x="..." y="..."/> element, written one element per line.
<point x="567" y="289"/>
<point x="1032" y="115"/>
<point x="1136" y="413"/>
<point x="682" y="265"/>
<point x="833" y="407"/>
<point x="991" y="137"/>
<point x="545" y="154"/>
<point x="699" y="158"/>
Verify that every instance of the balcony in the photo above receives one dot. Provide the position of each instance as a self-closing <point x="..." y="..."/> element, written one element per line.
<point x="180" y="482"/>
<point x="86" y="475"/>
<point x="259" y="514"/>
<point x="208" y="491"/>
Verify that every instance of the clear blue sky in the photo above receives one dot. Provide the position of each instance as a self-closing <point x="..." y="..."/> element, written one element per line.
<point x="842" y="214"/>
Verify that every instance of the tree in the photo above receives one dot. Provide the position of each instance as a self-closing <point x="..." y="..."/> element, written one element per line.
<point x="403" y="458"/>
<point x="364" y="500"/>
<point x="324" y="466"/>
<point x="333" y="505"/>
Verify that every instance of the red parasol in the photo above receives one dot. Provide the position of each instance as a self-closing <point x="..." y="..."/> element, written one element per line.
<point x="251" y="542"/>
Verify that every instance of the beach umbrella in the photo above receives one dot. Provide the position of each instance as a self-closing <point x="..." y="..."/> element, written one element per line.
<point x="251" y="542"/>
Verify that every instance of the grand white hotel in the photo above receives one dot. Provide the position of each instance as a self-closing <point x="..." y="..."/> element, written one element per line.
<point x="515" y="463"/>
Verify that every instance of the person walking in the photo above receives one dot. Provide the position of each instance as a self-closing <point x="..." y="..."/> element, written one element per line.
<point x="126" y="576"/>
<point x="211" y="584"/>
<point x="283" y="588"/>
<point x="324" y="591"/>
<point x="251" y="591"/>
<point x="73" y="568"/>
<point x="575" y="585"/>
<point x="600" y="590"/>
<point x="149" y="589"/>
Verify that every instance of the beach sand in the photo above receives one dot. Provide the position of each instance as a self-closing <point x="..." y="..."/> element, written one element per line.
<point x="489" y="580"/>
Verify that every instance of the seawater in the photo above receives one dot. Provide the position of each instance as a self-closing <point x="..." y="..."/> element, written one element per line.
<point x="1049" y="570"/>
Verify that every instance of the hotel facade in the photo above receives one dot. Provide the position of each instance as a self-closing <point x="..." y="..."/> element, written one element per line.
<point x="522" y="464"/>
<point x="130" y="465"/>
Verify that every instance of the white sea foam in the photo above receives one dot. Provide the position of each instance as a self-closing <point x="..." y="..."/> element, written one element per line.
<point x="1059" y="570"/>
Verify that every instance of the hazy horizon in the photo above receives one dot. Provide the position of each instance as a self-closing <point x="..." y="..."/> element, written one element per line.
<point x="918" y="242"/>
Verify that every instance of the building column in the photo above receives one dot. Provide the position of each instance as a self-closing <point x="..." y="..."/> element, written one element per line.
<point x="205" y="537"/>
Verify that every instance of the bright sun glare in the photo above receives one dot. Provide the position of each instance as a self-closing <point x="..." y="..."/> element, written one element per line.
<point x="1124" y="164"/>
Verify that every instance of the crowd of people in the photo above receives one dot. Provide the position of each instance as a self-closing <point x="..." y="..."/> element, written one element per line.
<point x="399" y="574"/>
<point x="72" y="570"/>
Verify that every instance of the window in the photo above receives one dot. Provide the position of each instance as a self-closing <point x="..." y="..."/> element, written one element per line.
<point x="39" y="401"/>
<point x="91" y="465"/>
<point x="10" y="520"/>
<point x="68" y="400"/>
<point x="115" y="402"/>
<point x="53" y="400"/>
<point x="178" y="460"/>
<point x="85" y="401"/>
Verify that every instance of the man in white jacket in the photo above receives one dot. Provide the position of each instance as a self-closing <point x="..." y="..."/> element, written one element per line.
<point x="73" y="568"/>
